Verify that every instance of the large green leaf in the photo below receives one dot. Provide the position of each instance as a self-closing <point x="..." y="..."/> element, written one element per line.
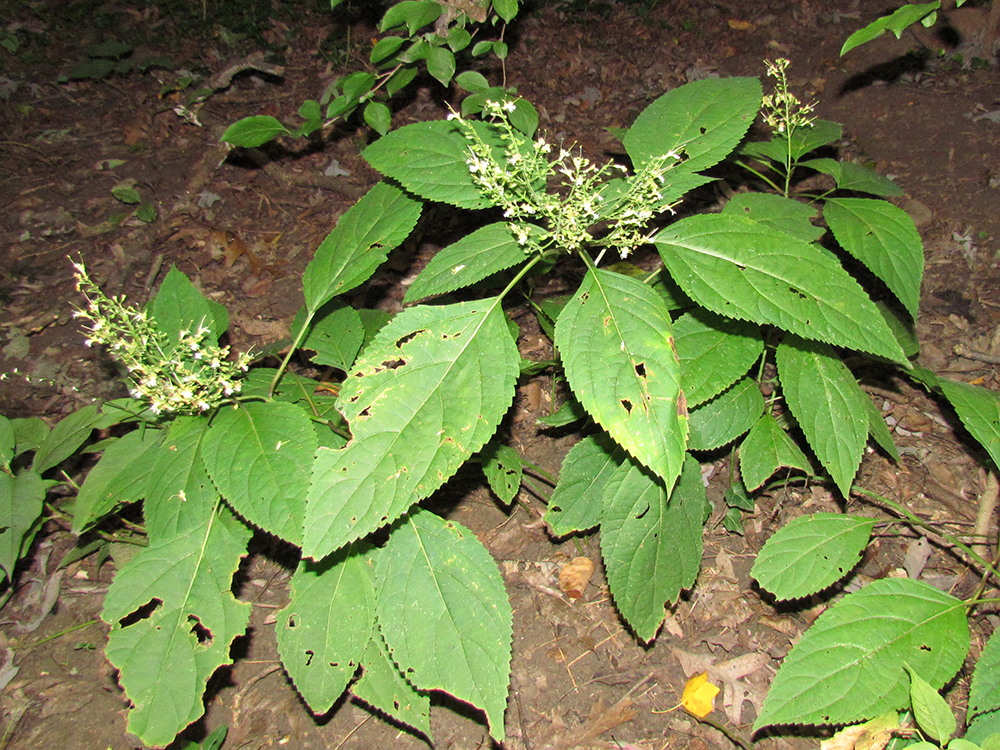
<point x="766" y="449"/>
<point x="984" y="691"/>
<point x="383" y="687"/>
<point x="651" y="541"/>
<point x="852" y="176"/>
<point x="896" y="22"/>
<point x="705" y="119"/>
<point x="810" y="553"/>
<point x="259" y="456"/>
<point x="7" y="441"/>
<point x="578" y="499"/>
<point x="362" y="239"/>
<point x="777" y="212"/>
<point x="179" y="306"/>
<point x="166" y="656"/>
<point x="885" y="239"/>
<point x="979" y="410"/>
<point x="443" y="610"/>
<point x="21" y="499"/>
<point x="65" y="438"/>
<point x="727" y="416"/>
<point x="714" y="353"/>
<point x="617" y="348"/>
<point x="474" y="257"/>
<point x="742" y="269"/>
<point x="120" y="477"/>
<point x="335" y="334"/>
<point x="325" y="629"/>
<point x="828" y="404"/>
<point x="429" y="160"/>
<point x="848" y="666"/>
<point x="425" y="394"/>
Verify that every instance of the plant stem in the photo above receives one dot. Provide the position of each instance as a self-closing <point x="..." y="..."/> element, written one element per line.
<point x="62" y="633"/>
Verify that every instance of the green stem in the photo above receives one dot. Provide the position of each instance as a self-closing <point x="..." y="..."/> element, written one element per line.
<point x="291" y="350"/>
<point x="987" y="567"/>
<point x="760" y="175"/>
<point x="62" y="633"/>
<point x="542" y="473"/>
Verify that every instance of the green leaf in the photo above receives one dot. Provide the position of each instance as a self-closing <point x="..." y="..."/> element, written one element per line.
<point x="651" y="541"/>
<point x="362" y="239"/>
<point x="356" y="85"/>
<point x="849" y="665"/>
<point x="979" y="410"/>
<point x="7" y="441"/>
<point x="325" y="629"/>
<point x="879" y="431"/>
<point x="617" y="349"/>
<point x="739" y="268"/>
<point x="884" y="238"/>
<point x="126" y="194"/>
<point x="385" y="47"/>
<point x="425" y="394"/>
<point x="777" y="212"/>
<point x="166" y="657"/>
<point x="378" y="117"/>
<point x="714" y="352"/>
<point x="524" y="118"/>
<point x="428" y="159"/>
<point x="384" y="688"/>
<point x="819" y="133"/>
<point x="179" y="306"/>
<point x="503" y="468"/>
<point x="30" y="433"/>
<point x="984" y="691"/>
<point x="120" y="477"/>
<point x="472" y="81"/>
<point x="766" y="449"/>
<point x="336" y="334"/>
<point x="706" y="119"/>
<point x="811" y="553"/>
<point x="458" y="39"/>
<point x="259" y="457"/>
<point x="253" y="131"/>
<point x="578" y="499"/>
<point x="506" y="9"/>
<point x="725" y="417"/>
<point x="441" y="64"/>
<point x="931" y="711"/>
<point x="414" y="14"/>
<point x="896" y="23"/>
<point x="851" y="176"/>
<point x="445" y="615"/>
<point x="400" y="79"/>
<point x="828" y="404"/>
<point x="571" y="411"/>
<point x="985" y="730"/>
<point x="65" y="438"/>
<point x="21" y="500"/>
<point x="476" y="256"/>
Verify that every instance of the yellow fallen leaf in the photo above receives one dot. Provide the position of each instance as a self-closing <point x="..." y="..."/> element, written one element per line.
<point x="698" y="698"/>
<point x="741" y="25"/>
<point x="575" y="575"/>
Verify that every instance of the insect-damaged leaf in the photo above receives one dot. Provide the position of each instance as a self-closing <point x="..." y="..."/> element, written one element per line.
<point x="427" y="392"/>
<point x="615" y="339"/>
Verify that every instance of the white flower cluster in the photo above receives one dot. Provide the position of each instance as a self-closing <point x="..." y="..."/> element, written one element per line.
<point x="782" y="110"/>
<point x="518" y="184"/>
<point x="191" y="376"/>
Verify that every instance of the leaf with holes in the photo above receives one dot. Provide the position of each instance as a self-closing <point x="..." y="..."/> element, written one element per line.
<point x="984" y="691"/>
<point x="383" y="687"/>
<point x="884" y="238"/>
<point x="777" y="212"/>
<point x="578" y="499"/>
<point x="828" y="404"/>
<point x="362" y="239"/>
<point x="166" y="653"/>
<point x="425" y="394"/>
<point x="651" y="541"/>
<point x="810" y="553"/>
<point x="444" y="612"/>
<point x="766" y="449"/>
<point x="259" y="456"/>
<point x="617" y="348"/>
<point x="325" y="629"/>
<point x="743" y="269"/>
<point x="848" y="666"/>
<point x="503" y="468"/>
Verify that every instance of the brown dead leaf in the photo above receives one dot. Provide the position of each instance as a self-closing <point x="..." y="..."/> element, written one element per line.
<point x="575" y="575"/>
<point x="872" y="735"/>
<point x="601" y="720"/>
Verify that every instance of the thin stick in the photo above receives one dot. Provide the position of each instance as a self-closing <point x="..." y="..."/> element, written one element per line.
<point x="987" y="506"/>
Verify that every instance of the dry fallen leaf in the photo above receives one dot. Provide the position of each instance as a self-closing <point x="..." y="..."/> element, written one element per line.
<point x="698" y="698"/>
<point x="575" y="575"/>
<point x="872" y="735"/>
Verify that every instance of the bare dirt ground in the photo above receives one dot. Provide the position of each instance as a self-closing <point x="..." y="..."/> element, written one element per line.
<point x="244" y="231"/>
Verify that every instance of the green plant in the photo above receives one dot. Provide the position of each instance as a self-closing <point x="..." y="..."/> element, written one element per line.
<point x="896" y="22"/>
<point x="414" y="32"/>
<point x="659" y="364"/>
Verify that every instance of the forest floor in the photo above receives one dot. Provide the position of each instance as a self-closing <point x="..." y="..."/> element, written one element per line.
<point x="244" y="231"/>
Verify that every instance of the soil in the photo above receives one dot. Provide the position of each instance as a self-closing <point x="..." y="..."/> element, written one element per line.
<point x="243" y="230"/>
